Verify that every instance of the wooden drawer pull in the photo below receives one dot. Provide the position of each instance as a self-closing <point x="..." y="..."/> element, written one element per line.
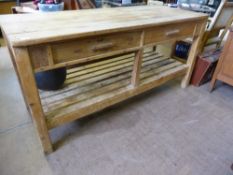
<point x="173" y="32"/>
<point x="103" y="46"/>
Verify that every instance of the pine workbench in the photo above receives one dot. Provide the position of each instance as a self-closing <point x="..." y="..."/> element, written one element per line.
<point x="104" y="51"/>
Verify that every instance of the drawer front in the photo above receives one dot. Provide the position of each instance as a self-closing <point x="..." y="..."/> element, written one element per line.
<point x="94" y="46"/>
<point x="39" y="56"/>
<point x="169" y="32"/>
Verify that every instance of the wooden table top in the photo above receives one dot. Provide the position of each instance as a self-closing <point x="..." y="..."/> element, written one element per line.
<point x="30" y="29"/>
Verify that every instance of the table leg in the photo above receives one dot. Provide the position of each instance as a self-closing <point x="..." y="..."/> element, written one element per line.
<point x="195" y="49"/>
<point x="16" y="71"/>
<point x="30" y="91"/>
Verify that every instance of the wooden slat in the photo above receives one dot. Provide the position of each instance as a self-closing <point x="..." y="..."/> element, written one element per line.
<point x="70" y="86"/>
<point x="104" y="64"/>
<point x="99" y="64"/>
<point x="85" y="89"/>
<point x="109" y="69"/>
<point x="93" y="84"/>
<point x="101" y="102"/>
<point x="103" y="88"/>
<point x="53" y="100"/>
<point x="85" y="96"/>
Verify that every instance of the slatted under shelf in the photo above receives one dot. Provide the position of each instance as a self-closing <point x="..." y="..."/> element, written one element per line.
<point x="95" y="86"/>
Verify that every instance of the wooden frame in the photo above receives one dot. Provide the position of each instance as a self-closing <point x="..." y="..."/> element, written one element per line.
<point x="223" y="71"/>
<point x="112" y="64"/>
<point x="212" y="34"/>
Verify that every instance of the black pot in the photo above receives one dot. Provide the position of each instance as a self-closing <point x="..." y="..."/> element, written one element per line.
<point x="51" y="79"/>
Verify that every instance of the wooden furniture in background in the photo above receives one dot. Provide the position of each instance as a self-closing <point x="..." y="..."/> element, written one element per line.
<point x="106" y="49"/>
<point x="5" y="6"/>
<point x="224" y="70"/>
<point x="71" y="5"/>
<point x="222" y="20"/>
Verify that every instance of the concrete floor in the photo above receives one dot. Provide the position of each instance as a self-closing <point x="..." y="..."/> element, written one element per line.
<point x="166" y="131"/>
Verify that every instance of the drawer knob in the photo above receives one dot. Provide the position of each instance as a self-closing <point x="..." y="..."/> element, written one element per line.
<point x="103" y="46"/>
<point x="173" y="32"/>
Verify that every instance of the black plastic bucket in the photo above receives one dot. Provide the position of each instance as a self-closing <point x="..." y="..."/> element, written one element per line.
<point x="51" y="79"/>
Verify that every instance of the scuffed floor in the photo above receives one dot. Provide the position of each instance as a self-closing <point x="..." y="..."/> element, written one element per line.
<point x="166" y="131"/>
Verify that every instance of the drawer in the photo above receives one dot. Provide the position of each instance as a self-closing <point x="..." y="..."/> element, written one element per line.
<point x="169" y="32"/>
<point x="94" y="46"/>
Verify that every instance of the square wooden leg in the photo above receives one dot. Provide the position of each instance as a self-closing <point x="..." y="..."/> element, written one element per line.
<point x="30" y="92"/>
<point x="194" y="51"/>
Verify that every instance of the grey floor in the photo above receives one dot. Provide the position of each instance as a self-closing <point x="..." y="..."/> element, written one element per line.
<point x="166" y="131"/>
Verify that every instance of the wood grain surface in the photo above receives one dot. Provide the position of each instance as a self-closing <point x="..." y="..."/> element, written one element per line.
<point x="30" y="29"/>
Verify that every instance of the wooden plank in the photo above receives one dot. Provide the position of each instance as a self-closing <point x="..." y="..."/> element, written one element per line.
<point x="76" y="89"/>
<point x="55" y="99"/>
<point x="31" y="94"/>
<point x="90" y="82"/>
<point x="100" y="63"/>
<point x="39" y="28"/>
<point x="119" y="63"/>
<point x="69" y="86"/>
<point x="79" y="94"/>
<point x="74" y="99"/>
<point x="76" y="92"/>
<point x="109" y="99"/>
<point x="105" y="64"/>
<point x="147" y="70"/>
<point x="154" y="71"/>
<point x="112" y="59"/>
